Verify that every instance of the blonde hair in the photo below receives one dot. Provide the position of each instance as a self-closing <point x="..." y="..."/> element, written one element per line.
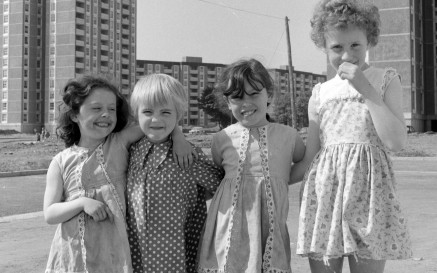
<point x="159" y="89"/>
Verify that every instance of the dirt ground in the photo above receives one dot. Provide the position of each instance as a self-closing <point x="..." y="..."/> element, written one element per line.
<point x="25" y="243"/>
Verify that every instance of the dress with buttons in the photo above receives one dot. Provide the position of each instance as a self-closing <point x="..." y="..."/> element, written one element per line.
<point x="166" y="207"/>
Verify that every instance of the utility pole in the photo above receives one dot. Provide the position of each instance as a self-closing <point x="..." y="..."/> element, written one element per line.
<point x="291" y="82"/>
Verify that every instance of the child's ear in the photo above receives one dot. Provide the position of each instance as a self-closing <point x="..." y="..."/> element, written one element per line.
<point x="73" y="117"/>
<point x="227" y="102"/>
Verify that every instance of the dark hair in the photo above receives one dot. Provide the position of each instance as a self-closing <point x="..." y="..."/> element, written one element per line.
<point x="231" y="82"/>
<point x="74" y="94"/>
<point x="341" y="14"/>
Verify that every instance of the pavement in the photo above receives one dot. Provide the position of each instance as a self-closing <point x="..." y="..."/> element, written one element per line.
<point x="25" y="238"/>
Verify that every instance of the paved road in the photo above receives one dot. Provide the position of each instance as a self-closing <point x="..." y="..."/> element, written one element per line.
<point x="25" y="239"/>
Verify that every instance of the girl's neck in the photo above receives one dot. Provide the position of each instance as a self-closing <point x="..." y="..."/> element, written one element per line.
<point x="262" y="124"/>
<point x="90" y="145"/>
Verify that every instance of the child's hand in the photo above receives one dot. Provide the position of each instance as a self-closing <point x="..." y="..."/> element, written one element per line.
<point x="183" y="153"/>
<point x="354" y="74"/>
<point x="99" y="211"/>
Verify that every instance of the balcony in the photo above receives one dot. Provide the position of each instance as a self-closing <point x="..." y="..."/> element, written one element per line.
<point x="104" y="27"/>
<point x="105" y="5"/>
<point x="80" y="65"/>
<point x="80" y="32"/>
<point x="80" y="21"/>
<point x="80" y="43"/>
<point x="104" y="58"/>
<point x="80" y="10"/>
<point x="80" y="54"/>
<point x="125" y="21"/>
<point x="104" y="16"/>
<point x="125" y="31"/>
<point x="125" y="51"/>
<point x="125" y="41"/>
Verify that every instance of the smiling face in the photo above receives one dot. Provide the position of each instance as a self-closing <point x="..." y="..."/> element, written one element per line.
<point x="97" y="117"/>
<point x="349" y="45"/>
<point x="251" y="109"/>
<point x="157" y="121"/>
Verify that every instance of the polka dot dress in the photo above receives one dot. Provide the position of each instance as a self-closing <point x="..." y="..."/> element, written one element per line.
<point x="166" y="207"/>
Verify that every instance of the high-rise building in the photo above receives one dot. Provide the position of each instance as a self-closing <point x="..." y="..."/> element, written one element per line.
<point x="408" y="43"/>
<point x="304" y="81"/>
<point x="194" y="75"/>
<point x="47" y="42"/>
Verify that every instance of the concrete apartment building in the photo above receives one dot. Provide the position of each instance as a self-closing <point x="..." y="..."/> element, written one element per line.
<point x="304" y="81"/>
<point x="408" y="43"/>
<point x="195" y="76"/>
<point x="47" y="42"/>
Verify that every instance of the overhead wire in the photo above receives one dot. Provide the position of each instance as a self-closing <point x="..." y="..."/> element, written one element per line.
<point x="254" y="13"/>
<point x="242" y="10"/>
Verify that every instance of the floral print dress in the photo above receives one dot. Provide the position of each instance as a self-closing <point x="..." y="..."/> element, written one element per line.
<point x="166" y="207"/>
<point x="246" y="228"/>
<point x="349" y="203"/>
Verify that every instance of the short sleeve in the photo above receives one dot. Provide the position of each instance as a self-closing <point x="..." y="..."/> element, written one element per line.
<point x="314" y="103"/>
<point x="388" y="76"/>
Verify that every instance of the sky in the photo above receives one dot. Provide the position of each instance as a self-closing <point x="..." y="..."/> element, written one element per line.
<point x="222" y="31"/>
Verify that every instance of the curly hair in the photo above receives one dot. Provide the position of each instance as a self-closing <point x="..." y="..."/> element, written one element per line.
<point x="74" y="94"/>
<point x="340" y="14"/>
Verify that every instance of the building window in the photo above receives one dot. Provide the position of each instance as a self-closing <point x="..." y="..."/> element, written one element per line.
<point x="6" y="19"/>
<point x="5" y="62"/>
<point x="5" y="40"/>
<point x="5" y="8"/>
<point x="25" y="86"/>
<point x="4" y="106"/>
<point x="52" y="95"/>
<point x="38" y="117"/>
<point x="4" y="117"/>
<point x="52" y="106"/>
<point x="5" y="85"/>
<point x="5" y="51"/>
<point x="5" y="29"/>
<point x="38" y="96"/>
<point x="5" y="73"/>
<point x="25" y="106"/>
<point x="24" y="117"/>
<point x="51" y="117"/>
